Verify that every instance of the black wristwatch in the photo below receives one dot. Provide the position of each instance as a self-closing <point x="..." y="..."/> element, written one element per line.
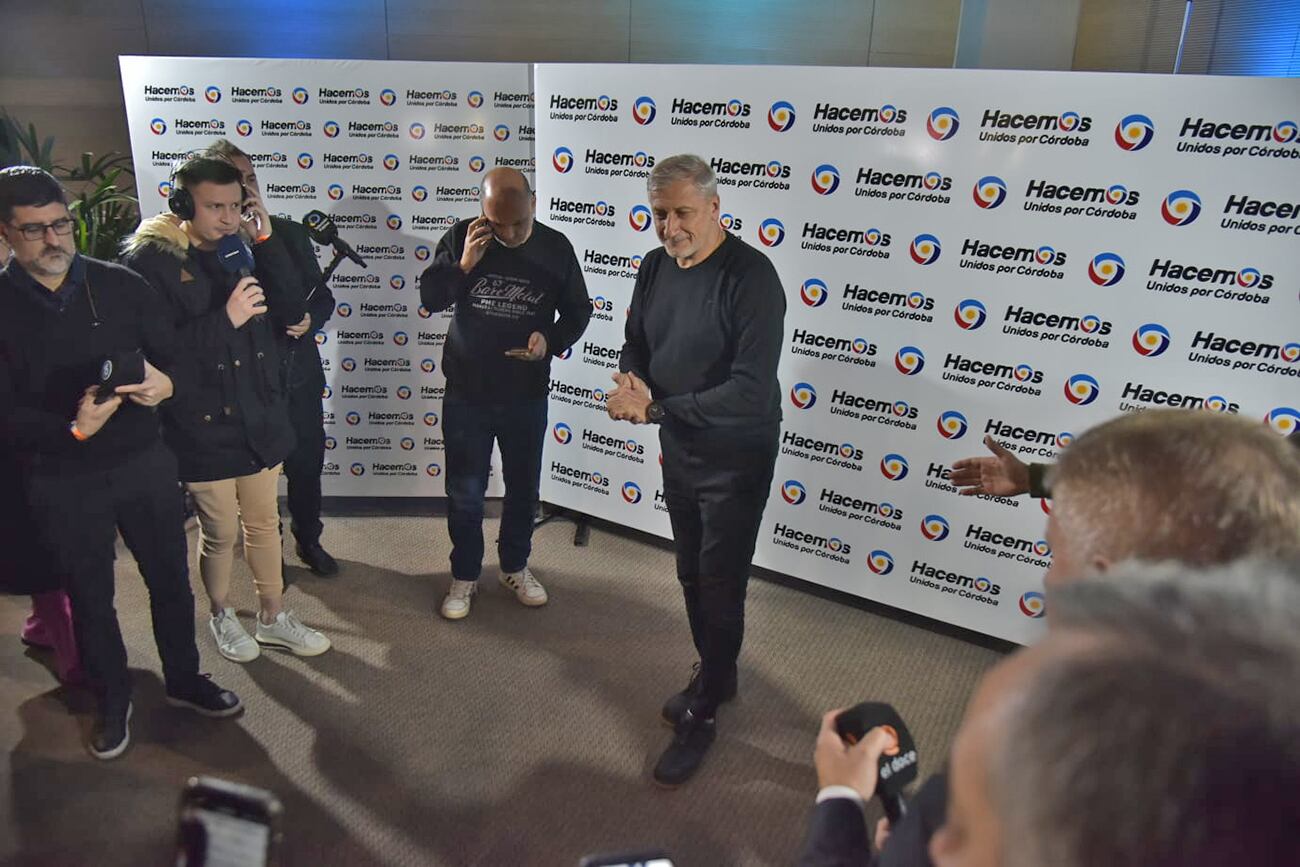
<point x="654" y="413"/>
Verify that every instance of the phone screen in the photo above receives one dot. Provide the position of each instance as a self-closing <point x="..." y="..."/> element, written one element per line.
<point x="232" y="840"/>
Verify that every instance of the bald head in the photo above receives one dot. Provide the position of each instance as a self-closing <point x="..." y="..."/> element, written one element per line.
<point x="509" y="205"/>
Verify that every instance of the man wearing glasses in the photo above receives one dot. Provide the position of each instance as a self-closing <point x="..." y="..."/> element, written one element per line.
<point x="92" y="464"/>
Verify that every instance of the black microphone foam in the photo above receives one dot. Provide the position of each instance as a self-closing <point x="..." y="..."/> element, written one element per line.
<point x="235" y="256"/>
<point x="320" y="227"/>
<point x="898" y="764"/>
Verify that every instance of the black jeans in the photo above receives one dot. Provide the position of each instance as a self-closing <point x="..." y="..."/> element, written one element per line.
<point x="78" y="516"/>
<point x="302" y="468"/>
<point x="716" y="484"/>
<point x="519" y="429"/>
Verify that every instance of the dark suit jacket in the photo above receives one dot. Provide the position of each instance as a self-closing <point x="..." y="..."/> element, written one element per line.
<point x="838" y="835"/>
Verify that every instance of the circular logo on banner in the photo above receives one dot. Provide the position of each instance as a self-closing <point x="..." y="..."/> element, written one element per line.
<point x="244" y="127"/>
<point x="771" y="232"/>
<point x="631" y="492"/>
<point x="952" y="425"/>
<point x="474" y="99"/>
<point x="990" y="191"/>
<point x="562" y="160"/>
<point x="813" y="293"/>
<point x="1283" y="419"/>
<point x="909" y="360"/>
<point x="430" y="419"/>
<point x="1081" y="389"/>
<point x="969" y="314"/>
<point x="1134" y="132"/>
<point x="1181" y="207"/>
<point x="300" y="95"/>
<point x="643" y="110"/>
<point x="158" y="126"/>
<point x="942" y="123"/>
<point x="1151" y="339"/>
<point x="477" y="164"/>
<point x="433" y="470"/>
<point x="1106" y="269"/>
<point x="803" y="395"/>
<point x="893" y="467"/>
<point x="925" y="249"/>
<point x="416" y="131"/>
<point x="825" y="179"/>
<point x="780" y="117"/>
<point x="1033" y="604"/>
<point x="793" y="492"/>
<point x="880" y="561"/>
<point x="501" y="132"/>
<point x="330" y="128"/>
<point x="934" y="527"/>
<point x="212" y="94"/>
<point x="387" y="96"/>
<point x="639" y="218"/>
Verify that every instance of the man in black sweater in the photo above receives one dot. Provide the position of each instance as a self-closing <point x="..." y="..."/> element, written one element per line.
<point x="508" y="277"/>
<point x="90" y="468"/>
<point x="304" y="377"/>
<point x="703" y="338"/>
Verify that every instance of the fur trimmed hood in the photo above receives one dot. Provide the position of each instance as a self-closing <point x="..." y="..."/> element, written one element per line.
<point x="162" y="233"/>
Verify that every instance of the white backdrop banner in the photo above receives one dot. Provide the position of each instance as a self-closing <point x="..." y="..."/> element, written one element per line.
<point x="394" y="151"/>
<point x="964" y="252"/>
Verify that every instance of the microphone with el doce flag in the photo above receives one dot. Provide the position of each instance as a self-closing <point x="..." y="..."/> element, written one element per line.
<point x="898" y="763"/>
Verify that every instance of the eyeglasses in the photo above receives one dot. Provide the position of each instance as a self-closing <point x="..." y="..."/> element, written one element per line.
<point x="36" y="231"/>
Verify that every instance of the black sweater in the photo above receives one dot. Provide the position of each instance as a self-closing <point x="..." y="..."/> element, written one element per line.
<point x="511" y="293"/>
<point x="49" y="357"/>
<point x="707" y="339"/>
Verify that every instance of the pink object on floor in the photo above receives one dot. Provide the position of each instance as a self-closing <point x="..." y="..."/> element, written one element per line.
<point x="50" y="626"/>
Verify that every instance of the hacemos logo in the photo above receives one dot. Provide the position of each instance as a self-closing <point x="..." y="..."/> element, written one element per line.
<point x="330" y="128"/>
<point x="909" y="360"/>
<point x="394" y="222"/>
<point x="969" y="314"/>
<point x="433" y="470"/>
<point x="348" y="364"/>
<point x="793" y="492"/>
<point x="925" y="249"/>
<point x="562" y="160"/>
<point x="825" y="179"/>
<point x="400" y="338"/>
<point x="344" y="309"/>
<point x="1033" y="604"/>
<point x="631" y="492"/>
<point x="639" y="218"/>
<point x="305" y="160"/>
<point x="158" y="126"/>
<point x="893" y="467"/>
<point x="942" y="123"/>
<point x="1081" y="389"/>
<point x="428" y="365"/>
<point x="358" y="468"/>
<point x="501" y="132"/>
<point x="422" y="252"/>
<point x="419" y="192"/>
<point x="771" y="232"/>
<point x="391" y="162"/>
<point x="416" y="131"/>
<point x="643" y="110"/>
<point x="1134" y="132"/>
<point x="403" y="392"/>
<point x="880" y="562"/>
<point x="780" y="117"/>
<point x="474" y="99"/>
<point x="1151" y="339"/>
<point x="934" y="527"/>
<point x="165" y="189"/>
<point x="1181" y="208"/>
<point x="1106" y="269"/>
<point x="729" y="222"/>
<point x="300" y="95"/>
<point x="952" y="425"/>
<point x="430" y="419"/>
<point x="1283" y="419"/>
<point x="244" y="127"/>
<point x="212" y="94"/>
<point x="813" y="292"/>
<point x="407" y="443"/>
<point x="334" y="191"/>
<point x="803" y="395"/>
<point x="387" y="96"/>
<point x="353" y="418"/>
<point x="477" y="164"/>
<point x="989" y="191"/>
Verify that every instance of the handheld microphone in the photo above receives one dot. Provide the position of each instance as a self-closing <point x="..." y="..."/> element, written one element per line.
<point x="898" y="764"/>
<point x="323" y="232"/>
<point x="236" y="258"/>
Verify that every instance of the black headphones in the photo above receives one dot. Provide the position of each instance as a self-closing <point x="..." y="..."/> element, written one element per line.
<point x="180" y="201"/>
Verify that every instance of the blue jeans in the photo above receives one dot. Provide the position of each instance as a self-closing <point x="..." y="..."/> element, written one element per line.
<point x="519" y="428"/>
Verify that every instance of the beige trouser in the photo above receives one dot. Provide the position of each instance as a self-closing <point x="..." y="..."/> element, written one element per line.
<point x="223" y="505"/>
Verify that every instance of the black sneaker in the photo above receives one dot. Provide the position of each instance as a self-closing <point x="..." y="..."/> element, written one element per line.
<point x="112" y="735"/>
<point x="682" y="758"/>
<point x="318" y="560"/>
<point x="203" y="696"/>
<point x="677" y="705"/>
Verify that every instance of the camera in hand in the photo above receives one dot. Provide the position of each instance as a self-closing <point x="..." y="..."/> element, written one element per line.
<point x="120" y="368"/>
<point x="898" y="764"/>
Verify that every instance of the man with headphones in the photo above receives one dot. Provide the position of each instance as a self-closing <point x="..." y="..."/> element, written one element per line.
<point x="231" y="433"/>
<point x="94" y="464"/>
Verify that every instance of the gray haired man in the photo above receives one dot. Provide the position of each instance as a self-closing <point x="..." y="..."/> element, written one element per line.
<point x="703" y="338"/>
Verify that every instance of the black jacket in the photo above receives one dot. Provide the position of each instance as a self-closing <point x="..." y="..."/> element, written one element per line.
<point x="838" y="835"/>
<point x="302" y="357"/>
<point x="236" y="421"/>
<point x="48" y="357"/>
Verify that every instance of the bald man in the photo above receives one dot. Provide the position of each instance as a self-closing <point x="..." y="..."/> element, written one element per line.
<point x="520" y="299"/>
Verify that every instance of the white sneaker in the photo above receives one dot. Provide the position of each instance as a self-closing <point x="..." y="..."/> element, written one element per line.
<point x="528" y="589"/>
<point x="457" y="603"/>
<point x="233" y="641"/>
<point x="288" y="633"/>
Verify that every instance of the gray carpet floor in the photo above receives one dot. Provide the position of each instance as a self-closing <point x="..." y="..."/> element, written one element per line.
<point x="516" y="736"/>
